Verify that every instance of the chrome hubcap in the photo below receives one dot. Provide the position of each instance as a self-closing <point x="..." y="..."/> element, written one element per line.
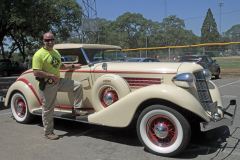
<point x="161" y="130"/>
<point x="108" y="96"/>
<point x="20" y="107"/>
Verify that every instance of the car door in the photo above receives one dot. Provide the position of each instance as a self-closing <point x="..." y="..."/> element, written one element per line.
<point x="82" y="75"/>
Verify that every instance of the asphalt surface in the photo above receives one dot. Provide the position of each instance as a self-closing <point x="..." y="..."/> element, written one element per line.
<point x="89" y="142"/>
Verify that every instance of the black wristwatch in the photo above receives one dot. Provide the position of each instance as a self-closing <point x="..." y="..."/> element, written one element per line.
<point x="73" y="66"/>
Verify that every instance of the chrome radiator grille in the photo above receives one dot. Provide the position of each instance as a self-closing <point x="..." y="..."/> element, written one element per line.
<point x="202" y="89"/>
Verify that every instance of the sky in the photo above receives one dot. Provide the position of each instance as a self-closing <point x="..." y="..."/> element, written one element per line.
<point x="192" y="12"/>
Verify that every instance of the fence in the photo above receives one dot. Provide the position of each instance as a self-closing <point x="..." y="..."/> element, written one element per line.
<point x="171" y="53"/>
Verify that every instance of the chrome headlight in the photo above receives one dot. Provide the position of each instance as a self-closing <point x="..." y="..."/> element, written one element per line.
<point x="185" y="80"/>
<point x="207" y="74"/>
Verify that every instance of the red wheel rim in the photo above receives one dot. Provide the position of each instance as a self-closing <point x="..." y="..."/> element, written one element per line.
<point x="20" y="107"/>
<point x="161" y="130"/>
<point x="108" y="96"/>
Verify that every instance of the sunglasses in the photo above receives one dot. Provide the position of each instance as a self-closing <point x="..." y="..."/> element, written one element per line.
<point x="48" y="40"/>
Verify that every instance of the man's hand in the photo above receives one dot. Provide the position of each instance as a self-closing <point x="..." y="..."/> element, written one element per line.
<point x="76" y="66"/>
<point x="70" y="66"/>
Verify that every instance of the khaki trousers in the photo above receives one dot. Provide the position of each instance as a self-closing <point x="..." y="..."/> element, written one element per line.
<point x="49" y="97"/>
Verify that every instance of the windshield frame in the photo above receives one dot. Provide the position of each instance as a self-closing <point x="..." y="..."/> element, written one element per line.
<point x="101" y="55"/>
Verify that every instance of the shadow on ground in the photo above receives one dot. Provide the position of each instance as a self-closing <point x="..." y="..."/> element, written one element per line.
<point x="206" y="143"/>
<point x="2" y="106"/>
<point x="200" y="144"/>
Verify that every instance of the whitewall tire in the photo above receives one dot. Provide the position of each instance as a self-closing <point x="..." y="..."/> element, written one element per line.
<point x="163" y="130"/>
<point x="19" y="108"/>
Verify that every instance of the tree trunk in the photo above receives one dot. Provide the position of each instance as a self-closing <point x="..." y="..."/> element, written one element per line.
<point x="2" y="50"/>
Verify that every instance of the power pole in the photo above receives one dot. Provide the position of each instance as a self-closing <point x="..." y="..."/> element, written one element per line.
<point x="89" y="8"/>
<point x="89" y="23"/>
<point x="220" y="4"/>
<point x="165" y="9"/>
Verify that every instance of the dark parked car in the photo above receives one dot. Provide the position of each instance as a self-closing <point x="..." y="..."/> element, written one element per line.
<point x="142" y="60"/>
<point x="8" y="67"/>
<point x="205" y="61"/>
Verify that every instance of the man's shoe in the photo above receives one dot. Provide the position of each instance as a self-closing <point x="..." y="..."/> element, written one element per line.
<point x="79" y="112"/>
<point x="52" y="136"/>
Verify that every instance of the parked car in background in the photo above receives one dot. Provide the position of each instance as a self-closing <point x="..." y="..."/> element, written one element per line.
<point x="8" y="67"/>
<point x="164" y="102"/>
<point x="205" y="61"/>
<point x="142" y="60"/>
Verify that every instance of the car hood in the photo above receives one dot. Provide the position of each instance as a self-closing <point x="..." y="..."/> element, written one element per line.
<point x="145" y="67"/>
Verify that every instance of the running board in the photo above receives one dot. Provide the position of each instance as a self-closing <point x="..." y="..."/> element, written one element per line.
<point x="64" y="115"/>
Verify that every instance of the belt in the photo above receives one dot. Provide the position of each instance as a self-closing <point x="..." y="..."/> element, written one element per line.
<point x="50" y="81"/>
<point x="43" y="82"/>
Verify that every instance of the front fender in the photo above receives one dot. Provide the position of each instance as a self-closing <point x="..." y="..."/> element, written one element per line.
<point x="121" y="112"/>
<point x="27" y="90"/>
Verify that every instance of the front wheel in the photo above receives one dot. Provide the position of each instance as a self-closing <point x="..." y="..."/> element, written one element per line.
<point x="19" y="108"/>
<point x="163" y="130"/>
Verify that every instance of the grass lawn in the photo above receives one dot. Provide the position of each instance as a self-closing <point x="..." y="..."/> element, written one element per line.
<point x="229" y="65"/>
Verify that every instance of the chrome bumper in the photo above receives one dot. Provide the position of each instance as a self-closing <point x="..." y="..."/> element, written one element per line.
<point x="227" y="119"/>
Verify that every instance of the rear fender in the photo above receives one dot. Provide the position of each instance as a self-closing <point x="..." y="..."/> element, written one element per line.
<point x="31" y="95"/>
<point x="120" y="113"/>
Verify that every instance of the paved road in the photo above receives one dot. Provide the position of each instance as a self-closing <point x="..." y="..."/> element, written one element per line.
<point x="89" y="142"/>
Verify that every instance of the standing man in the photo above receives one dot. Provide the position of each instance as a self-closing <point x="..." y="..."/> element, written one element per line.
<point x="46" y="65"/>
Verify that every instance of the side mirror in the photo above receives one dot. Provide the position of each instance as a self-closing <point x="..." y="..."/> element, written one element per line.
<point x="104" y="66"/>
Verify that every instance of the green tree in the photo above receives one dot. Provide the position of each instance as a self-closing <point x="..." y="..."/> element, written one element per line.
<point x="209" y="32"/>
<point x="131" y="26"/>
<point x="106" y="33"/>
<point x="132" y="30"/>
<point x="233" y="34"/>
<point x="24" y="21"/>
<point x="154" y="33"/>
<point x="174" y="32"/>
<point x="68" y="19"/>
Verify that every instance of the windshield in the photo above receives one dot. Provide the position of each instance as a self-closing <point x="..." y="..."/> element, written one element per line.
<point x="103" y="55"/>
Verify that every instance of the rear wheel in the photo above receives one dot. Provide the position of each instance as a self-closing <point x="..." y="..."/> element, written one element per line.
<point x="163" y="130"/>
<point x="19" y="108"/>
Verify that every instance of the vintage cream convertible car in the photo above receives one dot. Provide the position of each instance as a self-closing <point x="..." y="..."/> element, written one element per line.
<point x="164" y="101"/>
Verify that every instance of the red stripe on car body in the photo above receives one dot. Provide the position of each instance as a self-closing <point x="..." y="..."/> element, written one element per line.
<point x="142" y="82"/>
<point x="31" y="87"/>
<point x="109" y="71"/>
